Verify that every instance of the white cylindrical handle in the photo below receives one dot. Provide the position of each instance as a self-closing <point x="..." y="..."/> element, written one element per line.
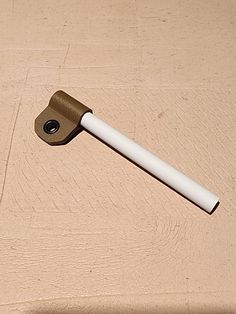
<point x="147" y="160"/>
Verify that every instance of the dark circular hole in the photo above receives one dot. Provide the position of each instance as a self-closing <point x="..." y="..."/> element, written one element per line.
<point x="51" y="126"/>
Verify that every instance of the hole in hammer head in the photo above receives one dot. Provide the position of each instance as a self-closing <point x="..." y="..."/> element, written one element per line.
<point x="51" y="126"/>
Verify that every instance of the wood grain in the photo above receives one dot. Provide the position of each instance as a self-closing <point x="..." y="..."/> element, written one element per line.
<point x="82" y="230"/>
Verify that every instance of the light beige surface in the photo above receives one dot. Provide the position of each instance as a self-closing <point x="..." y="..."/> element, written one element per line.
<point x="82" y="230"/>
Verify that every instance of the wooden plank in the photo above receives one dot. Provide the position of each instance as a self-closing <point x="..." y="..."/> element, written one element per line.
<point x="81" y="228"/>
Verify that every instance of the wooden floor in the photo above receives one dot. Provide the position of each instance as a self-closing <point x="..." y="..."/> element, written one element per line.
<point x="82" y="230"/>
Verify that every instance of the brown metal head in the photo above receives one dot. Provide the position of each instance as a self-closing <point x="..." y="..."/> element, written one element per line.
<point x="60" y="121"/>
